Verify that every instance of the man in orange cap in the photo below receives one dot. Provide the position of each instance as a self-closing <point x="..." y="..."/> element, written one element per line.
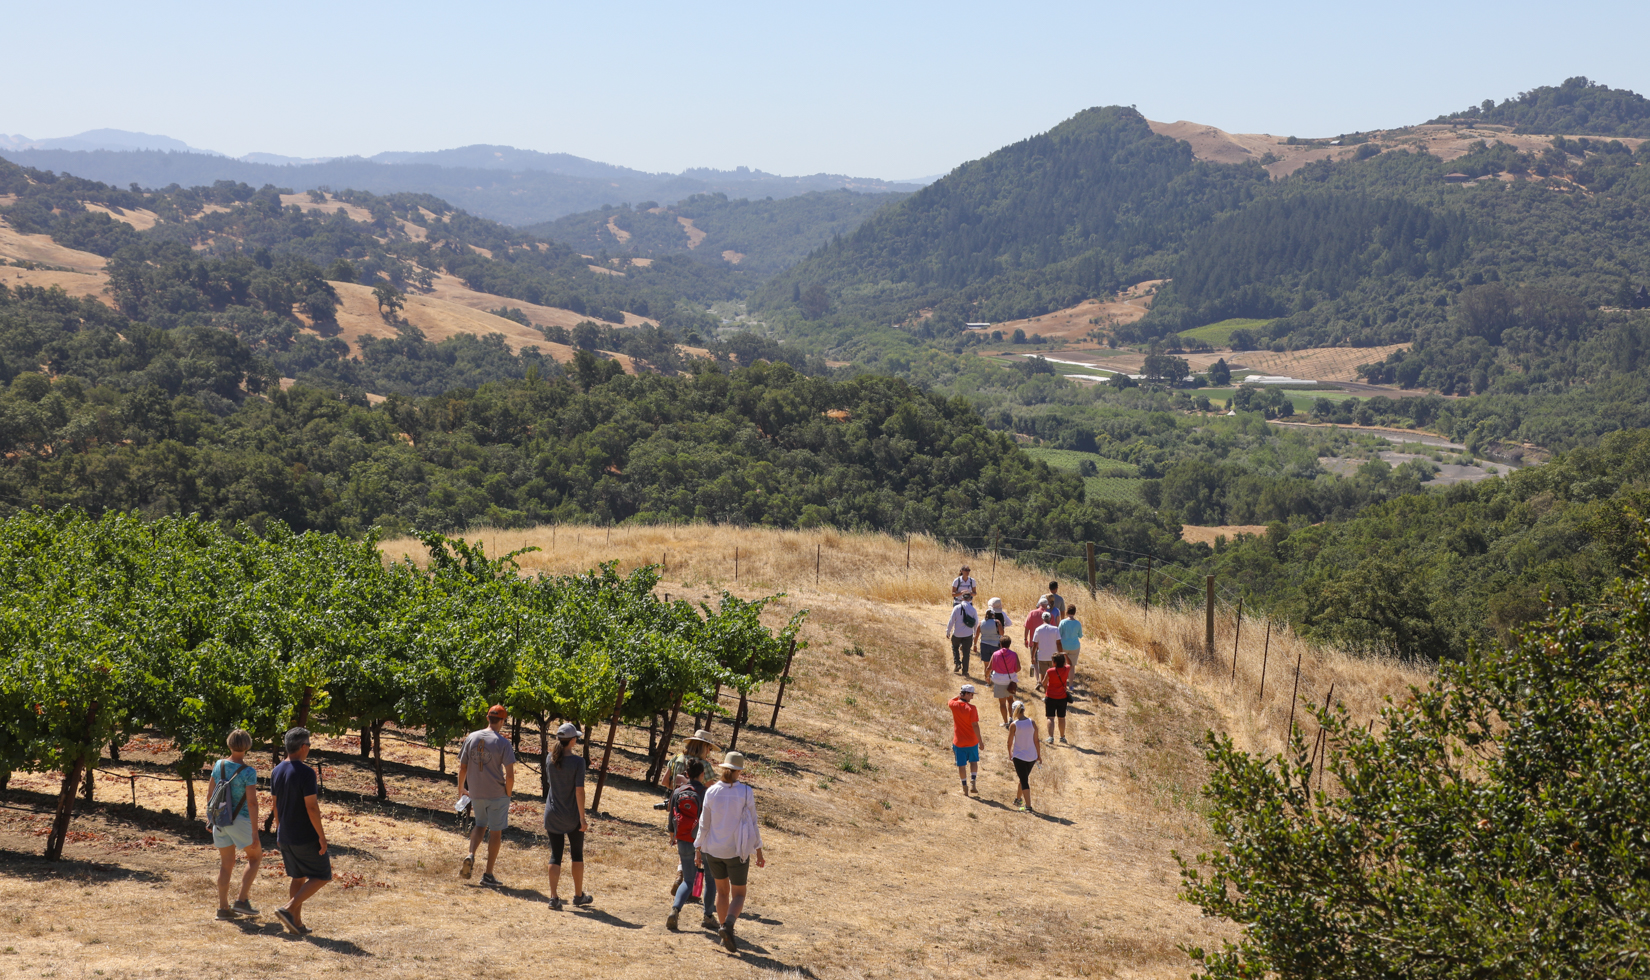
<point x="487" y="772"/>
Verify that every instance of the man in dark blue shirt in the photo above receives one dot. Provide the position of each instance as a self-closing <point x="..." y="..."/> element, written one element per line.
<point x="298" y="831"/>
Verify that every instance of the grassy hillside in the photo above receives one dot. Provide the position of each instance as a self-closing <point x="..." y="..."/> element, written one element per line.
<point x="1578" y="107"/>
<point x="834" y="782"/>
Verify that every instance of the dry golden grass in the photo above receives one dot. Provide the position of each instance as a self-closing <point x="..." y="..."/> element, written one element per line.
<point x="18" y="247"/>
<point x="878" y="866"/>
<point x="1317" y="363"/>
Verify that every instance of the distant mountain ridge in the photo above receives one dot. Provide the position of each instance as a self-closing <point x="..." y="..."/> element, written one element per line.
<point x="503" y="183"/>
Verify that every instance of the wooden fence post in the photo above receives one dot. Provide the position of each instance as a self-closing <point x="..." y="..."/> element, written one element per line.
<point x="783" y="679"/>
<point x="612" y="730"/>
<point x="736" y="565"/>
<point x="908" y="551"/>
<point x="1296" y="693"/>
<point x="1209" y="616"/>
<point x="1265" y="652"/>
<point x="1237" y="639"/>
<point x="816" y="564"/>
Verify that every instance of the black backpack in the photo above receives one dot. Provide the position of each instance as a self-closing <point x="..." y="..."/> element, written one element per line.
<point x="968" y="620"/>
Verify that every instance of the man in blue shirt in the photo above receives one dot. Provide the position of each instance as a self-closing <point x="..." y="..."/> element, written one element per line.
<point x="298" y="831"/>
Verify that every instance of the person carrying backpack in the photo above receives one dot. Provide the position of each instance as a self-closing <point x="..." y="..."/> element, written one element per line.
<point x="729" y="836"/>
<point x="232" y="810"/>
<point x="993" y="630"/>
<point x="960" y="629"/>
<point x="685" y="804"/>
<point x="487" y="774"/>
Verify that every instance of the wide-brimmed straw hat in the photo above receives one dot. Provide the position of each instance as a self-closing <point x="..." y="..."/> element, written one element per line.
<point x="700" y="736"/>
<point x="733" y="760"/>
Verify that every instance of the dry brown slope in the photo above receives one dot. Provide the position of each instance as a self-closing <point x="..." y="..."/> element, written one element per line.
<point x="886" y="870"/>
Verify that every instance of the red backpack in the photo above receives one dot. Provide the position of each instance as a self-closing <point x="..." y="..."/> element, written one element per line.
<point x="684" y="812"/>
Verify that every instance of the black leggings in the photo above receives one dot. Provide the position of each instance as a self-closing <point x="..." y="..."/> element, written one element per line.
<point x="1022" y="768"/>
<point x="574" y="837"/>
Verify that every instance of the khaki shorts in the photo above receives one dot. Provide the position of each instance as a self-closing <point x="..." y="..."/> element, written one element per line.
<point x="732" y="870"/>
<point x="1000" y="691"/>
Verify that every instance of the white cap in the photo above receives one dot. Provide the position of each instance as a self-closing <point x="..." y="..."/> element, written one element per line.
<point x="967" y="689"/>
<point x="1016" y="706"/>
<point x="995" y="603"/>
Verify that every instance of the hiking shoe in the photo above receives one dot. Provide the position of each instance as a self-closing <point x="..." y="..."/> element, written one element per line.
<point x="673" y="920"/>
<point x="584" y="899"/>
<point x="468" y="866"/>
<point x="709" y="922"/>
<point x="676" y="885"/>
<point x="1049" y="740"/>
<point x="287" y="921"/>
<point x="488" y="881"/>
<point x="1063" y="740"/>
<point x="227" y="915"/>
<point x="974" y="788"/>
<point x="555" y="905"/>
<point x="244" y="907"/>
<point x="728" y="942"/>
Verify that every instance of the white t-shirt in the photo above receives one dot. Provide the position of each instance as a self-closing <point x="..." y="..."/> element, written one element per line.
<point x="962" y="585"/>
<point x="1046" y="638"/>
<point x="959" y="628"/>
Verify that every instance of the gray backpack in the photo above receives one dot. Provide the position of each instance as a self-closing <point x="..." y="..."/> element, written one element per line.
<point x="221" y="810"/>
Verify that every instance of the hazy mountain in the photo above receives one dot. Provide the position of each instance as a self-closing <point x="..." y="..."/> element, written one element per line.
<point x="103" y="139"/>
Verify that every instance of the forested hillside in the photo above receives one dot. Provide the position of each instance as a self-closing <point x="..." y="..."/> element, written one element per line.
<point x="1579" y="107"/>
<point x="760" y="237"/>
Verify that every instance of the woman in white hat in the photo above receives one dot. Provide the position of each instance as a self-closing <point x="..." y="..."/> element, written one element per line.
<point x="729" y="834"/>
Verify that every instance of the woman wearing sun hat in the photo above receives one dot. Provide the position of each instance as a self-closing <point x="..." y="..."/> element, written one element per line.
<point x="729" y="834"/>
<point x="696" y="746"/>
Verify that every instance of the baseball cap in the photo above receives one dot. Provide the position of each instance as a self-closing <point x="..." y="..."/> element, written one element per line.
<point x="967" y="689"/>
<point x="497" y="711"/>
<point x="568" y="730"/>
<point x="1048" y="617"/>
<point x="1016" y="706"/>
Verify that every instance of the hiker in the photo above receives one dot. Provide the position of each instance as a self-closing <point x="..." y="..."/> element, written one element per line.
<point x="1056" y="602"/>
<point x="1045" y="643"/>
<point x="993" y="629"/>
<point x="965" y="740"/>
<point x="674" y="776"/>
<point x="1026" y="753"/>
<point x="238" y="781"/>
<point x="1005" y="676"/>
<point x="298" y="831"/>
<point x="1034" y="619"/>
<point x="961" y="629"/>
<point x="686" y="803"/>
<point x="1071" y="636"/>
<point x="962" y="587"/>
<point x="487" y="772"/>
<point x="564" y="817"/>
<point x="1058" y="697"/>
<point x="728" y="836"/>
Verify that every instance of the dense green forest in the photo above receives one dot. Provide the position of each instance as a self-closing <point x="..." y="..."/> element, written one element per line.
<point x="1579" y="107"/>
<point x="767" y="235"/>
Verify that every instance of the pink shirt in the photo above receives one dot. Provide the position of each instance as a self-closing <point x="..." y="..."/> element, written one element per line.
<point x="1034" y="619"/>
<point x="1005" y="661"/>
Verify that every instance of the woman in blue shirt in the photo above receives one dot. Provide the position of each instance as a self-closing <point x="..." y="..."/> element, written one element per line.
<point x="1071" y="636"/>
<point x="242" y="833"/>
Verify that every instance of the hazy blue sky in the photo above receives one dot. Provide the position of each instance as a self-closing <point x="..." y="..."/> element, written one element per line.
<point x="885" y="89"/>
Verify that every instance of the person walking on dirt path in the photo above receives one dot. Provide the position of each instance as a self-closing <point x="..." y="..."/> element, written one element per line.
<point x="1056" y="602"/>
<point x="696" y="746"/>
<point x="564" y="817"/>
<point x="241" y="781"/>
<point x="298" y="831"/>
<point x="961" y="628"/>
<point x="487" y="772"/>
<point x="1071" y="636"/>
<point x="686" y="803"/>
<point x="962" y="587"/>
<point x="1025" y="751"/>
<point x="1034" y="619"/>
<point x="993" y="628"/>
<point x="965" y="739"/>
<point x="1058" y="697"/>
<point x="1045" y="643"/>
<point x="729" y="835"/>
<point x="1005" y="676"/>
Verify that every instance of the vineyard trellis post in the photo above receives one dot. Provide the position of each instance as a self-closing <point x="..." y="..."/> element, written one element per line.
<point x="784" y="679"/>
<point x="607" y="753"/>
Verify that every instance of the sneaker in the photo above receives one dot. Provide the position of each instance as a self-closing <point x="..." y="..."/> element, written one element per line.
<point x="244" y="907"/>
<point x="1049" y="740"/>
<point x="728" y="942"/>
<point x="287" y="922"/>
<point x="709" y="922"/>
<point x="584" y="899"/>
<point x="1063" y="740"/>
<point x="673" y="920"/>
<point x="555" y="905"/>
<point x="227" y="915"/>
<point x="488" y="881"/>
<point x="468" y="866"/>
<point x="974" y="788"/>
